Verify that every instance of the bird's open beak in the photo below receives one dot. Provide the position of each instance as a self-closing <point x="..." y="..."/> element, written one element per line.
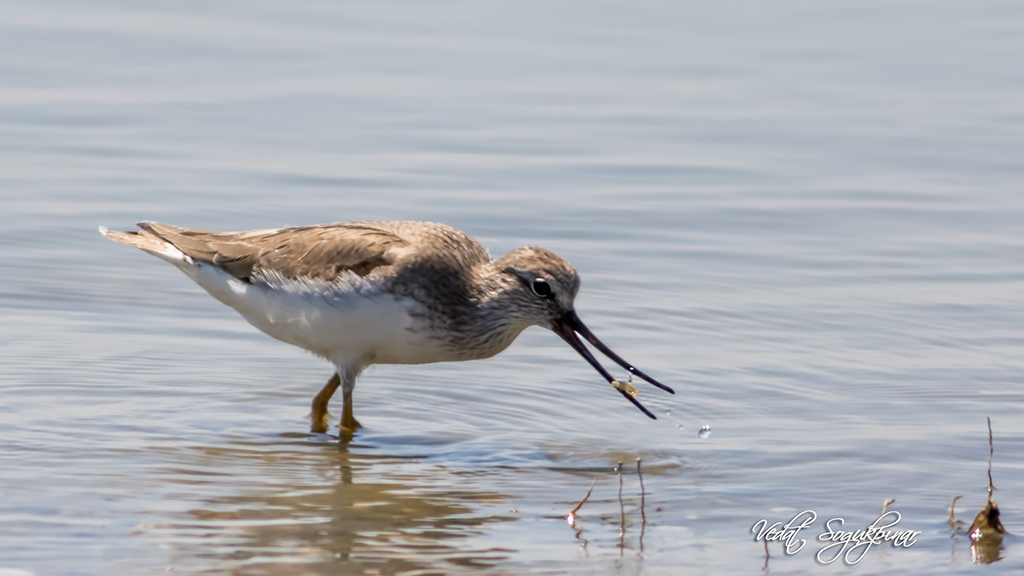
<point x="569" y="325"/>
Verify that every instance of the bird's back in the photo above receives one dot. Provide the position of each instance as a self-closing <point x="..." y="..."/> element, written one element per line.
<point x="319" y="252"/>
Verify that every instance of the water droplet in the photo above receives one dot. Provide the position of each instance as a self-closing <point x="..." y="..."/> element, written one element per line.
<point x="668" y="412"/>
<point x="680" y="426"/>
<point x="705" y="432"/>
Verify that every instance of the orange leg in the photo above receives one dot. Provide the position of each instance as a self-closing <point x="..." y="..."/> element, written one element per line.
<point x="320" y="401"/>
<point x="348" y="419"/>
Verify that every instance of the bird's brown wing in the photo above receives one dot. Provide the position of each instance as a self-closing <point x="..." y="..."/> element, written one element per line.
<point x="320" y="252"/>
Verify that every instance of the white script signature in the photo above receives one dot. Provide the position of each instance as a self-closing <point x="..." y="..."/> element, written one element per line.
<point x="851" y="546"/>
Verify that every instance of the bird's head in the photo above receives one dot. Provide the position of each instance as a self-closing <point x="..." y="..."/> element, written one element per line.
<point x="542" y="288"/>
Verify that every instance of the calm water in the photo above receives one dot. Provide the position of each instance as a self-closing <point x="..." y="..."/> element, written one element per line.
<point x="806" y="218"/>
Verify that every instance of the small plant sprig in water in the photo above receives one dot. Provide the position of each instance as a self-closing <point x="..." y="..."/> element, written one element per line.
<point x="572" y="517"/>
<point x="986" y="532"/>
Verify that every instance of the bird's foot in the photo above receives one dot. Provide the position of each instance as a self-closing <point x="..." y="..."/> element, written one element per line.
<point x="318" y="423"/>
<point x="349" y="425"/>
<point x="347" y="429"/>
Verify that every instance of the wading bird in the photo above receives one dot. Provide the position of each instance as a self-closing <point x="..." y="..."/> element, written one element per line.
<point x="362" y="293"/>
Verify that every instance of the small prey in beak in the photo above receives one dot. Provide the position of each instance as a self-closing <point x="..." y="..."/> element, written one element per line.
<point x="570" y="328"/>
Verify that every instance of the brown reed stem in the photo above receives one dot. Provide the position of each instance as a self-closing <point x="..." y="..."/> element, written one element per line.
<point x="571" y="516"/>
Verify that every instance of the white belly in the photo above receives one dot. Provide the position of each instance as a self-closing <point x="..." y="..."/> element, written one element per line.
<point x="345" y="322"/>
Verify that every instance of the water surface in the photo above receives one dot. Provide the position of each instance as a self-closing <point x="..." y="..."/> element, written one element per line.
<point x="805" y="218"/>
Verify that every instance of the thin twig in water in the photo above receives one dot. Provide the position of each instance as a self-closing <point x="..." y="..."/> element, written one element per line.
<point x="884" y="506"/>
<point x="622" y="513"/>
<point x="643" y="502"/>
<point x="991" y="486"/>
<point x="952" y="511"/>
<point x="571" y="517"/>
<point x="622" y="507"/>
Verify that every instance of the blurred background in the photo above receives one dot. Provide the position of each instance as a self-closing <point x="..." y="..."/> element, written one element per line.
<point x="805" y="217"/>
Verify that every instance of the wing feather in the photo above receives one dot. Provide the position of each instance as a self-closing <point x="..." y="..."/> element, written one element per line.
<point x="308" y="252"/>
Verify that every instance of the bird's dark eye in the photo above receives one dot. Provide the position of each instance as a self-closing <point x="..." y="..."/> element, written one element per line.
<point x="542" y="288"/>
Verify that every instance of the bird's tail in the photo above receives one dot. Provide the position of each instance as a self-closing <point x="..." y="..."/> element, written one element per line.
<point x="147" y="241"/>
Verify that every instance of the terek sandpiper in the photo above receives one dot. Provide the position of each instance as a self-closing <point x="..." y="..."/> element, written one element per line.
<point x="362" y="293"/>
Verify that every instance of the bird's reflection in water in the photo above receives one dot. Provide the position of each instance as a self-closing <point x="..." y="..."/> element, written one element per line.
<point x="331" y="508"/>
